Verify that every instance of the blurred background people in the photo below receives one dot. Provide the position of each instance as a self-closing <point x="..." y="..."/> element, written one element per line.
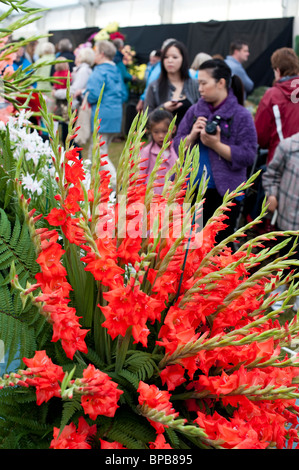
<point x="197" y="61"/>
<point x="239" y="53"/>
<point x="106" y="73"/>
<point x="277" y="116"/>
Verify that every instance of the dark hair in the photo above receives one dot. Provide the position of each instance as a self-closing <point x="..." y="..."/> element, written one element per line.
<point x="219" y="69"/>
<point x="237" y="45"/>
<point x="184" y="70"/>
<point x="158" y="115"/>
<point x="286" y="60"/>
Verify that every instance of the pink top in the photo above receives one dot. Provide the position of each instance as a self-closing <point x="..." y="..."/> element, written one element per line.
<point x="63" y="81"/>
<point x="151" y="152"/>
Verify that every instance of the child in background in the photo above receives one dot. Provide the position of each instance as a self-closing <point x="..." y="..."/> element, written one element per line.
<point x="62" y="70"/>
<point x="158" y="124"/>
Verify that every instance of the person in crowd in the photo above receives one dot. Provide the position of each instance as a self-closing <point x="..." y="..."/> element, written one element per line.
<point x="127" y="78"/>
<point x="217" y="56"/>
<point x="175" y="91"/>
<point x="65" y="49"/>
<point x="118" y="59"/>
<point x="154" y="75"/>
<point x="239" y="53"/>
<point x="61" y="74"/>
<point x="277" y="116"/>
<point x="157" y="125"/>
<point x="84" y="61"/>
<point x="106" y="73"/>
<point x="62" y="71"/>
<point x="281" y="186"/>
<point x="154" y="59"/>
<point x="46" y="55"/>
<point x="20" y="59"/>
<point x="226" y="154"/>
<point x="198" y="60"/>
<point x="30" y="51"/>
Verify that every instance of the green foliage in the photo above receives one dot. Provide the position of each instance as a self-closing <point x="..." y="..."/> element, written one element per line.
<point x="129" y="430"/>
<point x="7" y="173"/>
<point x="22" y="424"/>
<point x="17" y="329"/>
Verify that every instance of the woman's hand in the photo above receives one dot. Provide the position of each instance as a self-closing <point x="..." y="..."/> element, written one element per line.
<point x="272" y="201"/>
<point x="210" y="140"/>
<point x="198" y="126"/>
<point x="214" y="143"/>
<point x="77" y="93"/>
<point x="172" y="105"/>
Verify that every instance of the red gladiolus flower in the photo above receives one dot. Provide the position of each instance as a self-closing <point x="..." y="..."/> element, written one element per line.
<point x="151" y="396"/>
<point x="173" y="376"/>
<point x="159" y="443"/>
<point x="46" y="376"/>
<point x="73" y="154"/>
<point x="71" y="205"/>
<point x="49" y="261"/>
<point x="72" y="438"/>
<point x="111" y="445"/>
<point x="103" y="269"/>
<point x="74" y="173"/>
<point x="130" y="306"/>
<point x="100" y="393"/>
<point x="73" y="232"/>
<point x="56" y="217"/>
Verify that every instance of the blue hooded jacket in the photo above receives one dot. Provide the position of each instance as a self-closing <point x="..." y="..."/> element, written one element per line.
<point x="113" y="97"/>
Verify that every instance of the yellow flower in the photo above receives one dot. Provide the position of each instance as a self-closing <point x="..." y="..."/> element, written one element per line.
<point x="138" y="71"/>
<point x="112" y="27"/>
<point x="102" y="35"/>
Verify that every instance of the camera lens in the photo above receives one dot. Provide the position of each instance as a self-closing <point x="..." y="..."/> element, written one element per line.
<point x="211" y="127"/>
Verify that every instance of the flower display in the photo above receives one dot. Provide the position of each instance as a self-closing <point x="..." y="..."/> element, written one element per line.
<point x="110" y="32"/>
<point x="192" y="313"/>
<point x="129" y="55"/>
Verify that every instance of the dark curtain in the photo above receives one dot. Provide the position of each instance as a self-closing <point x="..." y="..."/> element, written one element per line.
<point x="214" y="37"/>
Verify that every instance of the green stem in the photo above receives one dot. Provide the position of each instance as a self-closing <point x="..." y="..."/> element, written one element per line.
<point x="122" y="348"/>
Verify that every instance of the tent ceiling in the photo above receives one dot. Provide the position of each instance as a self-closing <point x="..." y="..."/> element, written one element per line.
<point x="55" y="3"/>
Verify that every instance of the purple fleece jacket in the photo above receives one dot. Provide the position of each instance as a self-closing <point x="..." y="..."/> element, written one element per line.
<point x="237" y="131"/>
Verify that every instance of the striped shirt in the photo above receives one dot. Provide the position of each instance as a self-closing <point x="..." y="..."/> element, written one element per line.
<point x="281" y="179"/>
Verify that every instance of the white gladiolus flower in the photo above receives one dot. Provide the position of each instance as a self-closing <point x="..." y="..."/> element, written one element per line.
<point x="32" y="184"/>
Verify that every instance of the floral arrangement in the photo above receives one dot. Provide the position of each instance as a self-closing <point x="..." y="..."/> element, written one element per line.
<point x="138" y="71"/>
<point x="109" y="33"/>
<point x="167" y="340"/>
<point x="129" y="55"/>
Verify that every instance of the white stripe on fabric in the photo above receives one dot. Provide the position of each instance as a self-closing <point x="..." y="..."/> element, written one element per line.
<point x="278" y="121"/>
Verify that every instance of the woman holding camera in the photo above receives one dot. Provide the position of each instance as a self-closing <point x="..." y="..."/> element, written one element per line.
<point x="225" y="133"/>
<point x="174" y="91"/>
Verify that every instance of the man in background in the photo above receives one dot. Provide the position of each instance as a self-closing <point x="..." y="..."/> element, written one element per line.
<point x="239" y="53"/>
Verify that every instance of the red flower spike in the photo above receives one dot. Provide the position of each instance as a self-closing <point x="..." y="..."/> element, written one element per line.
<point x="111" y="445"/>
<point x="102" y="395"/>
<point x="72" y="438"/>
<point x="46" y="376"/>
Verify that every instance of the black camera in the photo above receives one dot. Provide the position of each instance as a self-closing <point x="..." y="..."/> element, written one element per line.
<point x="211" y="126"/>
